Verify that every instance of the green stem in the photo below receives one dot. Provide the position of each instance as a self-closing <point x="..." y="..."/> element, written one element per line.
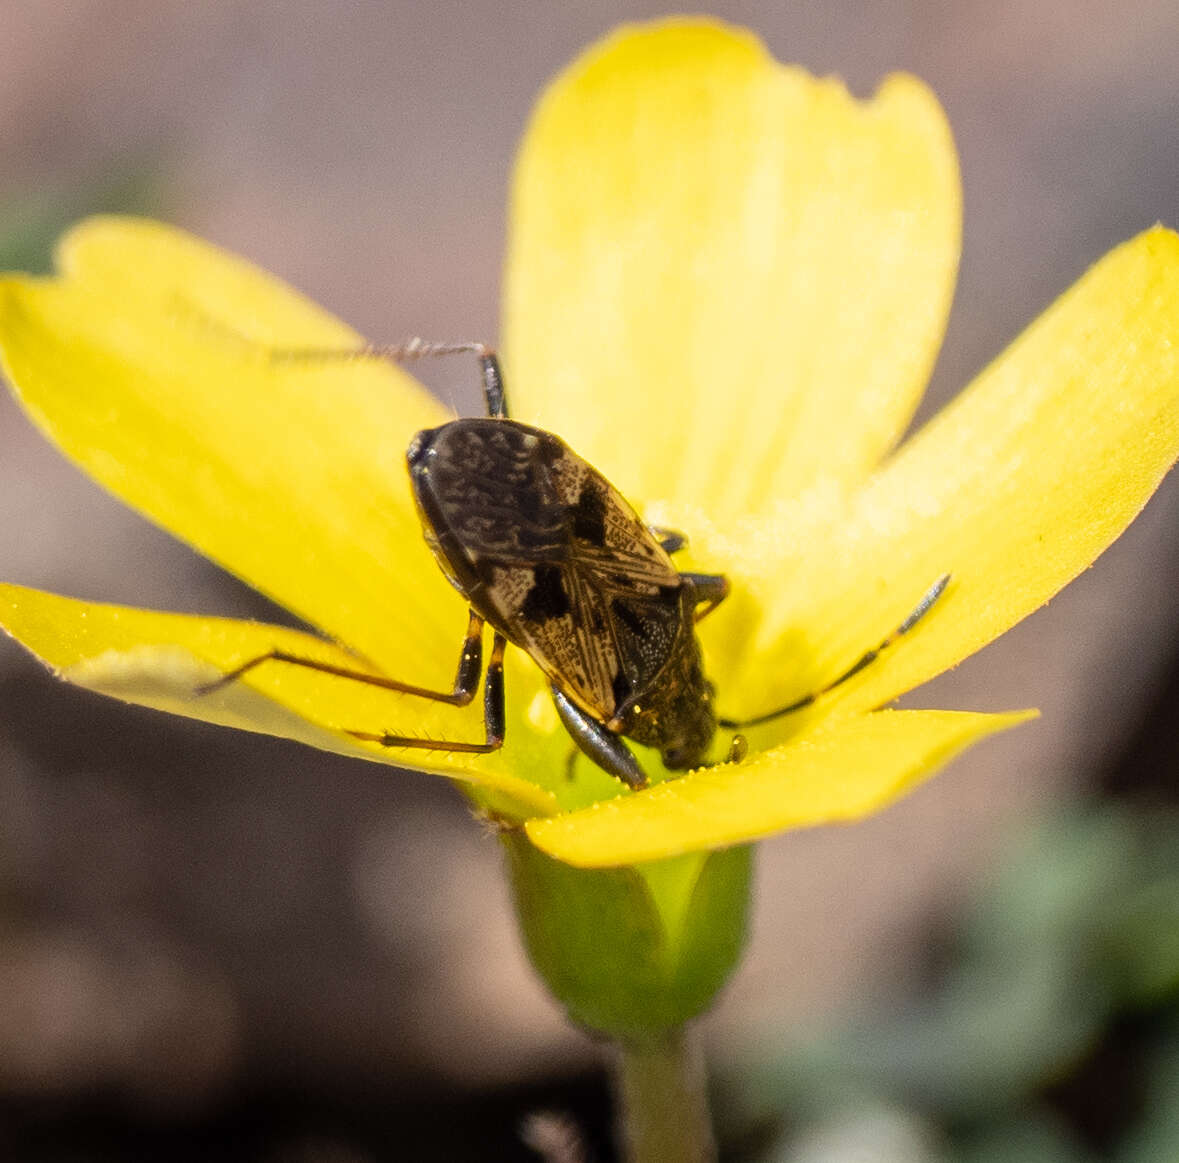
<point x="664" y="1100"/>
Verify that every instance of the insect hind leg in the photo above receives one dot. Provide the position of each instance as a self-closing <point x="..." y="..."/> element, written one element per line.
<point x="918" y="612"/>
<point x="413" y="348"/>
<point x="494" y="397"/>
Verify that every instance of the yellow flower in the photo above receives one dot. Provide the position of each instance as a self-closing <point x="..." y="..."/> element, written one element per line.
<point x="726" y="285"/>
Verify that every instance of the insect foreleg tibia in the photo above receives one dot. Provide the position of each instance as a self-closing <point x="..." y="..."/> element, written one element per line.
<point x="466" y="679"/>
<point x="711" y="589"/>
<point x="494" y="717"/>
<point x="670" y="540"/>
<point x="919" y="611"/>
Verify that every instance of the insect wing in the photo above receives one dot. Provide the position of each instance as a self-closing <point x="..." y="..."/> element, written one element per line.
<point x="602" y="619"/>
<point x="484" y="495"/>
<point x="548" y="551"/>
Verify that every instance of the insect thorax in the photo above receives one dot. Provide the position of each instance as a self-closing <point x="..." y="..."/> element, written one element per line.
<point x="676" y="713"/>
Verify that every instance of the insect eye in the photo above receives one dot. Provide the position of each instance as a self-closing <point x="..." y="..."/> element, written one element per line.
<point x="675" y="758"/>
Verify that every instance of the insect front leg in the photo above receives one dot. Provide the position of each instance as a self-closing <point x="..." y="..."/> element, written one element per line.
<point x="711" y="589"/>
<point x="494" y="716"/>
<point x="605" y="748"/>
<point x="670" y="540"/>
<point x="466" y="679"/>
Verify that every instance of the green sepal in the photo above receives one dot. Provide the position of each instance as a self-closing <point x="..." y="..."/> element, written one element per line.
<point x="632" y="952"/>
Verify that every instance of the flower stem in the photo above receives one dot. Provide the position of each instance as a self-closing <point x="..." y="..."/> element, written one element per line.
<point x="664" y="1100"/>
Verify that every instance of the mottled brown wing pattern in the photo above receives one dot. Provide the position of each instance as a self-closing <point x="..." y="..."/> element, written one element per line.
<point x="550" y="553"/>
<point x="605" y="533"/>
<point x="601" y="618"/>
<point x="487" y="486"/>
<point x="563" y="625"/>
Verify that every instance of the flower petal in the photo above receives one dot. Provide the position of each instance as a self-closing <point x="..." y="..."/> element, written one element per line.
<point x="829" y="776"/>
<point x="1014" y="489"/>
<point x="726" y="278"/>
<point x="146" y="361"/>
<point x="161" y="660"/>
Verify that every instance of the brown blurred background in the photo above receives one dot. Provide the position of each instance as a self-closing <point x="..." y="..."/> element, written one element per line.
<point x="271" y="953"/>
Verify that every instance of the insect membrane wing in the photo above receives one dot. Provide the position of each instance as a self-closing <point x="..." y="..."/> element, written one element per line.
<point x="487" y="488"/>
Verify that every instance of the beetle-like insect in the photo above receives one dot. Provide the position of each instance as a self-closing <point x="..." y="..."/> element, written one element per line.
<point x="549" y="554"/>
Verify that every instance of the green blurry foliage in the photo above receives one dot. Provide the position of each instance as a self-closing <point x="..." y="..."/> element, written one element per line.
<point x="31" y="223"/>
<point x="1076" y="934"/>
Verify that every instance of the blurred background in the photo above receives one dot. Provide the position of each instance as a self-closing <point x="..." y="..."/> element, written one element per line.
<point x="214" y="945"/>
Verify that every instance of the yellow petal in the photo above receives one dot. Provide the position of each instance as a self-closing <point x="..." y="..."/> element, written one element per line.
<point x="1014" y="490"/>
<point x="726" y="278"/>
<point x="161" y="660"/>
<point x="146" y="361"/>
<point x="832" y="775"/>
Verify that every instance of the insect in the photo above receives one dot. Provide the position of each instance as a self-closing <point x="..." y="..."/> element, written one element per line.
<point x="549" y="554"/>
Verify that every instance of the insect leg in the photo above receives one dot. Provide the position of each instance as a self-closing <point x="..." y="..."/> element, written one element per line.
<point x="413" y="348"/>
<point x="670" y="540"/>
<point x="493" y="380"/>
<point x="605" y="748"/>
<point x="466" y="679"/>
<point x="493" y="385"/>
<point x="738" y="750"/>
<point x="711" y="589"/>
<point x="494" y="717"/>
<point x="919" y="611"/>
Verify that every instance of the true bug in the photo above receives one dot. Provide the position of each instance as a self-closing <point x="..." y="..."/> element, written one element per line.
<point x="549" y="554"/>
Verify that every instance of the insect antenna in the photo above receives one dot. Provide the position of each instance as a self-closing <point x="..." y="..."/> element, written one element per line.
<point x="918" y="612"/>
